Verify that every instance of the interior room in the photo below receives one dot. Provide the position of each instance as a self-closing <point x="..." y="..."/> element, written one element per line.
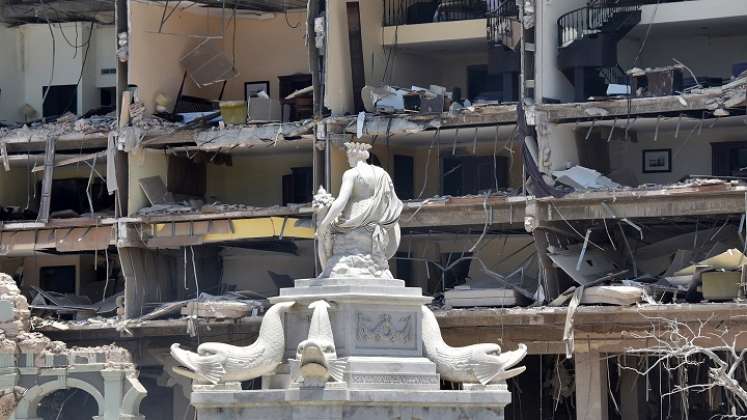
<point x="229" y="270"/>
<point x="50" y="69"/>
<point x="188" y="58"/>
<point x="420" y="43"/>
<point x="189" y="182"/>
<point x="455" y="162"/>
<point x="663" y="150"/>
<point x="72" y="186"/>
<point x="66" y="285"/>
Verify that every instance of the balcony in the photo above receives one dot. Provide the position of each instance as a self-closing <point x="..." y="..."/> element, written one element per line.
<point x="449" y="24"/>
<point x="413" y="12"/>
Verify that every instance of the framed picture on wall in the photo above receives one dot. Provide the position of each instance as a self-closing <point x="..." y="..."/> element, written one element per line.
<point x="253" y="88"/>
<point x="657" y="161"/>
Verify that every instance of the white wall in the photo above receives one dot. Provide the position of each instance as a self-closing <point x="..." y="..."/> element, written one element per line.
<point x="11" y="76"/>
<point x="691" y="154"/>
<point x="695" y="10"/>
<point x="104" y="46"/>
<point x="551" y="83"/>
<point x="39" y="57"/>
<point x="710" y="56"/>
<point x="403" y="66"/>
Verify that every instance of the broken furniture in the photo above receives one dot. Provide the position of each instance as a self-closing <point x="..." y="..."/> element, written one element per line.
<point x="297" y="107"/>
<point x="70" y="305"/>
<point x="661" y="81"/>
<point x="233" y="112"/>
<point x="390" y="99"/>
<point x="463" y="297"/>
<point x="207" y="64"/>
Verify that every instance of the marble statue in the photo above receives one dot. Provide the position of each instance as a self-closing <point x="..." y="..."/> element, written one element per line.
<point x="220" y="362"/>
<point x="479" y="363"/>
<point x="359" y="230"/>
<point x="359" y="344"/>
<point x="316" y="356"/>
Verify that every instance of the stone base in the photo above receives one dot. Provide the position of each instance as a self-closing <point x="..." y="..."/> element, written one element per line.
<point x="332" y="403"/>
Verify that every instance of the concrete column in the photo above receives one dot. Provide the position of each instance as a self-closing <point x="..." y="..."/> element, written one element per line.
<point x="591" y="386"/>
<point x="113" y="393"/>
<point x="629" y="394"/>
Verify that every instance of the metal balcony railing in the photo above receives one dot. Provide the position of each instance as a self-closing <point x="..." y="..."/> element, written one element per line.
<point x="410" y="12"/>
<point x="501" y="15"/>
<point x="592" y="19"/>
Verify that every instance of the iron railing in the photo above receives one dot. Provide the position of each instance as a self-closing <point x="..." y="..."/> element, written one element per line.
<point x="614" y="75"/>
<point x="501" y="15"/>
<point x="591" y="19"/>
<point x="410" y="12"/>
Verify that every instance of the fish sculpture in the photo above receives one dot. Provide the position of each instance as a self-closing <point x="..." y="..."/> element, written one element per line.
<point x="220" y="362"/>
<point x="316" y="356"/>
<point x="479" y="363"/>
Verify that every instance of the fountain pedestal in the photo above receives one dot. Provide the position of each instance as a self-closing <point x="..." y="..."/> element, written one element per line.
<point x="377" y="329"/>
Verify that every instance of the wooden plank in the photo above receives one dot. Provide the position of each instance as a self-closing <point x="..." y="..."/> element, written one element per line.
<point x="46" y="193"/>
<point x="124" y="111"/>
<point x="72" y="160"/>
<point x="356" y="52"/>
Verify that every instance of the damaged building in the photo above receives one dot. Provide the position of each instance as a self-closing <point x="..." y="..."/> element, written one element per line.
<point x="573" y="176"/>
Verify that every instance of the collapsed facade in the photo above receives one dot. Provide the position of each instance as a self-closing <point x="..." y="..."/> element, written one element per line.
<point x="571" y="171"/>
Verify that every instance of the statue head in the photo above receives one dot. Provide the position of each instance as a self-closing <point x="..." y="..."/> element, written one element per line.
<point x="357" y="152"/>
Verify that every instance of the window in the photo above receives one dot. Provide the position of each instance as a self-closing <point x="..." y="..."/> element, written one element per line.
<point x="729" y="159"/>
<point x="59" y="279"/>
<point x="298" y="186"/>
<point x="59" y="100"/>
<point x="403" y="267"/>
<point x="471" y="175"/>
<point x="459" y="272"/>
<point x="107" y="95"/>
<point x="404" y="177"/>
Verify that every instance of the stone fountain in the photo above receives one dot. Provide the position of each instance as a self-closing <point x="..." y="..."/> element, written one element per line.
<point x="354" y="343"/>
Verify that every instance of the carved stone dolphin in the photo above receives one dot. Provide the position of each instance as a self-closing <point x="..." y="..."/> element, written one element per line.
<point x="317" y="356"/>
<point x="483" y="363"/>
<point x="220" y="362"/>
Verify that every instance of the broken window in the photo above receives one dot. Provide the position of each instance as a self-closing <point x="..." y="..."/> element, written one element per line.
<point x="70" y="197"/>
<point x="404" y="176"/>
<point x="472" y="175"/>
<point x="298" y="186"/>
<point x="59" y="99"/>
<point x="459" y="271"/>
<point x="729" y="159"/>
<point x="60" y="279"/>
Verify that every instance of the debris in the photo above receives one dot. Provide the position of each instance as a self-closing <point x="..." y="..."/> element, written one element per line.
<point x="718" y="285"/>
<point x="594" y="265"/>
<point x="613" y="295"/>
<point x="582" y="179"/>
<point x="155" y="190"/>
<point x="464" y="296"/>
<point x="207" y="63"/>
<point x="253" y="135"/>
<point x="730" y="260"/>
